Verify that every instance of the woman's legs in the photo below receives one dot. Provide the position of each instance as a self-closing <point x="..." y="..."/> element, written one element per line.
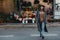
<point x="42" y="31"/>
<point x="40" y="28"/>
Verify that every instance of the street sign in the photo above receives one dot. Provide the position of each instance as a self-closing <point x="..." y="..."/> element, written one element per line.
<point x="56" y="15"/>
<point x="57" y="1"/>
<point x="57" y="9"/>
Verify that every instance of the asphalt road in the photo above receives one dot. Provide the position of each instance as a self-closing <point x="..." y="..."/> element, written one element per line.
<point x="29" y="34"/>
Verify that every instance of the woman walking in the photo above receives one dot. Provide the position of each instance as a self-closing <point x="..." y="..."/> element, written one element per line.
<point x="41" y="20"/>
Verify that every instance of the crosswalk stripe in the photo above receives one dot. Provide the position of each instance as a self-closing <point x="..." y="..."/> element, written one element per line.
<point x="6" y="35"/>
<point x="32" y="35"/>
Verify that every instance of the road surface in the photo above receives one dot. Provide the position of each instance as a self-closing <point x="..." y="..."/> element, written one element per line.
<point x="29" y="34"/>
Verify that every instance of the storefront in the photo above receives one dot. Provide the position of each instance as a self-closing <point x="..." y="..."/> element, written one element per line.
<point x="17" y="11"/>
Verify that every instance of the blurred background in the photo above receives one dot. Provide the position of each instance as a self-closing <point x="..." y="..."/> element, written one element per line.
<point x="17" y="19"/>
<point x="24" y="11"/>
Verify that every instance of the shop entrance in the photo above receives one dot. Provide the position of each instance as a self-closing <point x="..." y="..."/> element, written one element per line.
<point x="25" y="11"/>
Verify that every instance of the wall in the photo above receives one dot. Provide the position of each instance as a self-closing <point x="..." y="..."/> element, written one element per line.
<point x="6" y="6"/>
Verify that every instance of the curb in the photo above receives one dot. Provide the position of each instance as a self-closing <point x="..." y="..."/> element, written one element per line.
<point x="28" y="25"/>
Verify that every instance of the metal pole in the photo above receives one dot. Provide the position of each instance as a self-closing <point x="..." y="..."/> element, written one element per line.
<point x="20" y="3"/>
<point x="53" y="7"/>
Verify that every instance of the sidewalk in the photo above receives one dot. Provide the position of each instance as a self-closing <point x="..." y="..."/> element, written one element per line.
<point x="31" y="25"/>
